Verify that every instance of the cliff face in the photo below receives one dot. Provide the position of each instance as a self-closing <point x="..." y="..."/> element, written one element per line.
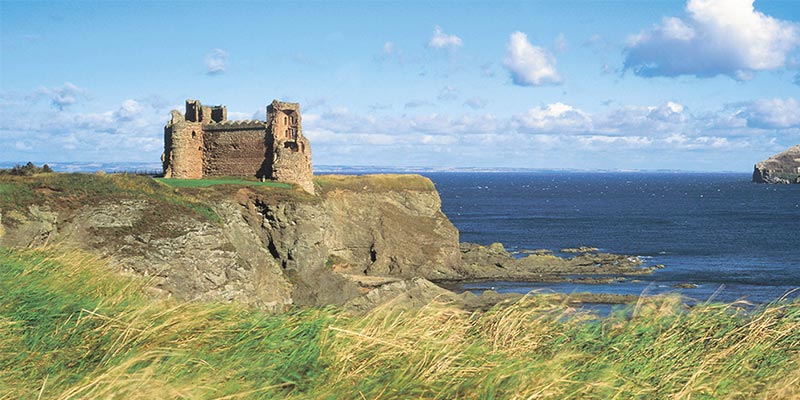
<point x="780" y="168"/>
<point x="271" y="248"/>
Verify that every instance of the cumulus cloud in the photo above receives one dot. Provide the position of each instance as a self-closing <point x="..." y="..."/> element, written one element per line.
<point x="64" y="95"/>
<point x="664" y="118"/>
<point x="548" y="135"/>
<point x="441" y="40"/>
<point x="556" y="117"/>
<point x="715" y="37"/>
<point x="216" y="62"/>
<point x="130" y="131"/>
<point x="773" y="113"/>
<point x="530" y="65"/>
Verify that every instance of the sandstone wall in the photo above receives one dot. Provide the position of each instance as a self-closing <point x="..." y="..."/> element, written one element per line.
<point x="237" y="149"/>
<point x="292" y="163"/>
<point x="183" y="148"/>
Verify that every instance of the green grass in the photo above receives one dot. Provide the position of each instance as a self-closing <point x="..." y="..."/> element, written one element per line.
<point x="71" y="191"/>
<point x="374" y="183"/>
<point x="199" y="183"/>
<point x="71" y="328"/>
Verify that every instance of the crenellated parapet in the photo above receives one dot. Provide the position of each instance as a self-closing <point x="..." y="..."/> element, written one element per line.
<point x="243" y="124"/>
<point x="202" y="142"/>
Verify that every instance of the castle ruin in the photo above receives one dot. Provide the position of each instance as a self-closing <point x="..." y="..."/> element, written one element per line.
<point x="202" y="142"/>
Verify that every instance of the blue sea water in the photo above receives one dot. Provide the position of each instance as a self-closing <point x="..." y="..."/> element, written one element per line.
<point x="733" y="238"/>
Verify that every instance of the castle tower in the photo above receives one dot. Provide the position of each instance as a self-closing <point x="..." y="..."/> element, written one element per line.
<point x="183" y="143"/>
<point x="291" y="155"/>
<point x="202" y="142"/>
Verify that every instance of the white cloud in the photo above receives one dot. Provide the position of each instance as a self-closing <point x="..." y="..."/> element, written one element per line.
<point x="715" y="37"/>
<point x="388" y="48"/>
<point x="530" y="65"/>
<point x="22" y="145"/>
<point x="441" y="40"/>
<point x="773" y="113"/>
<point x="128" y="110"/>
<point x="556" y="117"/>
<point x="216" y="62"/>
<point x="130" y="131"/>
<point x="653" y="120"/>
<point x="64" y="95"/>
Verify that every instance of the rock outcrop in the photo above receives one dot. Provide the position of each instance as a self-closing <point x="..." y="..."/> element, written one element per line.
<point x="268" y="247"/>
<point x="494" y="262"/>
<point x="781" y="168"/>
<point x="359" y="241"/>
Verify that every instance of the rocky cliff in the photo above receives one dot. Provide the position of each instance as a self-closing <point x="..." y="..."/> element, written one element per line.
<point x="265" y="246"/>
<point x="359" y="241"/>
<point x="780" y="168"/>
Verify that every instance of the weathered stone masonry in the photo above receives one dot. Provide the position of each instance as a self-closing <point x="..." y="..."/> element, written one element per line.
<point x="202" y="142"/>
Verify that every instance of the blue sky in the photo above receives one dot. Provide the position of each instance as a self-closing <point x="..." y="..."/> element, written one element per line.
<point x="694" y="85"/>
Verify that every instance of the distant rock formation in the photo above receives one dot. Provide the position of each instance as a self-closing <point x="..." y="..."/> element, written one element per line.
<point x="781" y="168"/>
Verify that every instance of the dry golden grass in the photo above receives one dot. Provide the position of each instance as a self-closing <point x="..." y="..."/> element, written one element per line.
<point x="71" y="329"/>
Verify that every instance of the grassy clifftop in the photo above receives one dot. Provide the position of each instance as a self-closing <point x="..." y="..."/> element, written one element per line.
<point x="69" y="328"/>
<point x="69" y="191"/>
<point x="72" y="190"/>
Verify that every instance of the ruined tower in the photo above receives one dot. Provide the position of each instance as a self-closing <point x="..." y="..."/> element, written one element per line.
<point x="202" y="142"/>
<point x="291" y="154"/>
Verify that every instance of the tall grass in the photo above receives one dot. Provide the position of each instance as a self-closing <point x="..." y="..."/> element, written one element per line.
<point x="71" y="328"/>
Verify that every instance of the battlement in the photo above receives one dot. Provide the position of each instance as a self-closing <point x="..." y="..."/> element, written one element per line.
<point x="196" y="112"/>
<point x="240" y="124"/>
<point x="202" y="142"/>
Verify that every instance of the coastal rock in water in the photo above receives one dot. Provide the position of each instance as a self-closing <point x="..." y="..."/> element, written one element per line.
<point x="488" y="262"/>
<point x="781" y="168"/>
<point x="685" y="286"/>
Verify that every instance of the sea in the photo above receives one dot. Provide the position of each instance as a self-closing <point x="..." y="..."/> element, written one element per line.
<point x="734" y="239"/>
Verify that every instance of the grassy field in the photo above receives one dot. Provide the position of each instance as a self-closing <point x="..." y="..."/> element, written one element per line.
<point x="198" y="183"/>
<point x="72" y="328"/>
<point x="69" y="191"/>
<point x="374" y="183"/>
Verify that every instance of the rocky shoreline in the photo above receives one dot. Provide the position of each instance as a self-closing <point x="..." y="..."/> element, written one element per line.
<point x="494" y="262"/>
<point x="359" y="242"/>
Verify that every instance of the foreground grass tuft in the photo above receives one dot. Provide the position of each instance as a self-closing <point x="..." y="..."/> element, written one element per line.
<point x="71" y="328"/>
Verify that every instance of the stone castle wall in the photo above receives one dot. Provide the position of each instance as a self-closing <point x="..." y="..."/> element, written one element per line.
<point x="202" y="142"/>
<point x="237" y="149"/>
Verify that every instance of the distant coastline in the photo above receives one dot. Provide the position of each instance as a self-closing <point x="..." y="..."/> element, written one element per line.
<point x="155" y="167"/>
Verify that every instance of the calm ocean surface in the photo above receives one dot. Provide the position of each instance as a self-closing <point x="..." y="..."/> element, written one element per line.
<point x="733" y="238"/>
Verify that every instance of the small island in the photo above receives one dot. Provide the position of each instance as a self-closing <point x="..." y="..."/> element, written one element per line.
<point x="783" y="168"/>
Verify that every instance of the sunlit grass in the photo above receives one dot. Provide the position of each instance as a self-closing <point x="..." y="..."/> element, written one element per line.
<point x="198" y="183"/>
<point x="70" y="327"/>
